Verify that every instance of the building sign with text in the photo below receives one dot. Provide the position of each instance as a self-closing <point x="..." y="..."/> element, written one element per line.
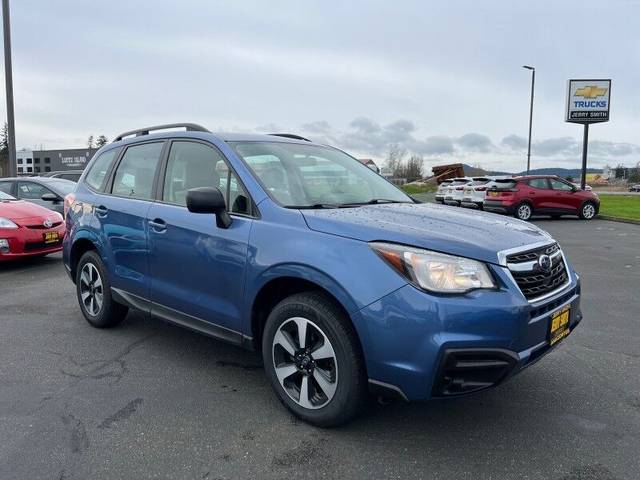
<point x="588" y="101"/>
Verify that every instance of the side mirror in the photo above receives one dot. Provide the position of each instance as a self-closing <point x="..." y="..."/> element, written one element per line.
<point x="50" y="197"/>
<point x="209" y="200"/>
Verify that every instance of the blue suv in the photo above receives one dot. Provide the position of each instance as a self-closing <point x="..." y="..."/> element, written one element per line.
<point x="345" y="284"/>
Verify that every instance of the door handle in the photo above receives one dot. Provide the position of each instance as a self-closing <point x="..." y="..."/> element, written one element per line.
<point x="158" y="225"/>
<point x="101" y="211"/>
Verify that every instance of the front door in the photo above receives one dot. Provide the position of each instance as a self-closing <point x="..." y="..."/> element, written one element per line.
<point x="563" y="196"/>
<point x="197" y="268"/>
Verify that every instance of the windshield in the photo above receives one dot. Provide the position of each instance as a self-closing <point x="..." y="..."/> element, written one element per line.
<point x="312" y="176"/>
<point x="6" y="196"/>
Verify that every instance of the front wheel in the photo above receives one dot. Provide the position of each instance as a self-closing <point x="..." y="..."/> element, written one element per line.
<point x="587" y="211"/>
<point x="313" y="359"/>
<point x="524" y="211"/>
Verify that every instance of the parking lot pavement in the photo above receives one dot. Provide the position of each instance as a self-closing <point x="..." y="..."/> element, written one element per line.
<point x="149" y="400"/>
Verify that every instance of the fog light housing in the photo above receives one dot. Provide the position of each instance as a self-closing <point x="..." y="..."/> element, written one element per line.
<point x="4" y="245"/>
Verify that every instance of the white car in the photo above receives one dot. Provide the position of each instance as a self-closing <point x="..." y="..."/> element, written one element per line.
<point x="474" y="192"/>
<point x="442" y="190"/>
<point x="586" y="187"/>
<point x="454" y="193"/>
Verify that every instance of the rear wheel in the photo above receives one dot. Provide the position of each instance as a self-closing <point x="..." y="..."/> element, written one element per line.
<point x="587" y="211"/>
<point x="94" y="293"/>
<point x="312" y="358"/>
<point x="524" y="211"/>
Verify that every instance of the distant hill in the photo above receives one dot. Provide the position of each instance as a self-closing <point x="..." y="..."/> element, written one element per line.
<point x="560" y="172"/>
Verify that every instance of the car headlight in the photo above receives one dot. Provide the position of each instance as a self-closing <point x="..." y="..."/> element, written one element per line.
<point x="433" y="271"/>
<point x="6" y="223"/>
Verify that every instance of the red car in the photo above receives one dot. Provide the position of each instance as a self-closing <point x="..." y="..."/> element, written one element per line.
<point x="27" y="229"/>
<point x="540" y="195"/>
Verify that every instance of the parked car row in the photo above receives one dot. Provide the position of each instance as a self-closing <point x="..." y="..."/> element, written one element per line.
<point x="521" y="196"/>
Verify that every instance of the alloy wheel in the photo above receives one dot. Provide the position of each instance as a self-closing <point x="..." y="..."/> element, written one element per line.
<point x="91" y="292"/>
<point x="305" y="363"/>
<point x="524" y="212"/>
<point x="588" y="211"/>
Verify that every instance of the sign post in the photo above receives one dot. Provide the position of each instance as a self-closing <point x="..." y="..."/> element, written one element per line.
<point x="587" y="102"/>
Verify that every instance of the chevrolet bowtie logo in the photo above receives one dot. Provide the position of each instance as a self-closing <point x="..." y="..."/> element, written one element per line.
<point x="590" y="92"/>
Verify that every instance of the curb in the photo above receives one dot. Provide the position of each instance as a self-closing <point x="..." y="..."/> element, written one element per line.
<point x="620" y="220"/>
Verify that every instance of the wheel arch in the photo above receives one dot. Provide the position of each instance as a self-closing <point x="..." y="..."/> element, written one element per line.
<point x="83" y="242"/>
<point x="285" y="280"/>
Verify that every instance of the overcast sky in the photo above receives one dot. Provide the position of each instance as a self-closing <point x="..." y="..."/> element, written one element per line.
<point x="443" y="79"/>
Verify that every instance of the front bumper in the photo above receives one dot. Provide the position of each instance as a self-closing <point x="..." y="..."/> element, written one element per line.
<point x="427" y="346"/>
<point x="28" y="242"/>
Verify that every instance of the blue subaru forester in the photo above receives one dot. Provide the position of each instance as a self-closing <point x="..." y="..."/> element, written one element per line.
<point x="346" y="284"/>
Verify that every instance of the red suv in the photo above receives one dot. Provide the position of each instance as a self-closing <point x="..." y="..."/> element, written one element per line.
<point x="540" y="195"/>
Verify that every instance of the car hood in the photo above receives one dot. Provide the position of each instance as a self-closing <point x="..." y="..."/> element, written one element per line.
<point x="19" y="209"/>
<point x="467" y="233"/>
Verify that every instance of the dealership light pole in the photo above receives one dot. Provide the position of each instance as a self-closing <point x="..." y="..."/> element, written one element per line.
<point x="533" y="83"/>
<point x="8" y="76"/>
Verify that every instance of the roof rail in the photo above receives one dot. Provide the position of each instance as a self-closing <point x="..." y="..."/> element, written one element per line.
<point x="289" y="135"/>
<point x="190" y="127"/>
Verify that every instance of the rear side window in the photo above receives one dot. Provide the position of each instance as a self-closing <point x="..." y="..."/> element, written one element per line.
<point x="538" y="183"/>
<point x="98" y="173"/>
<point x="136" y="171"/>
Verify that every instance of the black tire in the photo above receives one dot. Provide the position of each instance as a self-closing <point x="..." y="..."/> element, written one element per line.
<point x="350" y="392"/>
<point x="524" y="211"/>
<point x="109" y="314"/>
<point x="587" y="211"/>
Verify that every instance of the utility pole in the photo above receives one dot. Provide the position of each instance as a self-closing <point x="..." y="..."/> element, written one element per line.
<point x="8" y="76"/>
<point x="533" y="83"/>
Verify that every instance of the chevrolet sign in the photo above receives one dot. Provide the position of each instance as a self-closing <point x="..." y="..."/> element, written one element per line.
<point x="588" y="101"/>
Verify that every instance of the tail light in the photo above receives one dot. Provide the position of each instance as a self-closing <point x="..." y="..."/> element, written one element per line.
<point x="69" y="200"/>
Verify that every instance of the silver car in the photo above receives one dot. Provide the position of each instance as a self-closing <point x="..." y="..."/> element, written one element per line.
<point x="474" y="192"/>
<point x="43" y="191"/>
<point x="455" y="191"/>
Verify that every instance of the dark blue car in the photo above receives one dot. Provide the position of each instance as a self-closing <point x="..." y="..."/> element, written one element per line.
<point x="344" y="283"/>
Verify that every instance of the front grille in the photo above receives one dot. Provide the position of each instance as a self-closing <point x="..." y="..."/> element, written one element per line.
<point x="533" y="281"/>
<point x="33" y="246"/>
<point x="42" y="227"/>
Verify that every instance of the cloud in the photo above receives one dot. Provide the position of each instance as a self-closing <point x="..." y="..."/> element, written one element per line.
<point x="317" y="126"/>
<point x="514" y="142"/>
<point x="436" y="145"/>
<point x="475" y="142"/>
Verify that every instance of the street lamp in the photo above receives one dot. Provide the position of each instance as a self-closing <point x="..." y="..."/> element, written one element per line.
<point x="8" y="76"/>
<point x="533" y="82"/>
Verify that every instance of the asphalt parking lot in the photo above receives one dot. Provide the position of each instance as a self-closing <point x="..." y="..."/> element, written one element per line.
<point x="149" y="400"/>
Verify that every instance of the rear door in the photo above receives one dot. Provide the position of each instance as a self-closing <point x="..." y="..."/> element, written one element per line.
<point x="123" y="217"/>
<point x="197" y="268"/>
<point x="540" y="194"/>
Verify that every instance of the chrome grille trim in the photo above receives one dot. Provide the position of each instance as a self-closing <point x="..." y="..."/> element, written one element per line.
<point x="517" y="265"/>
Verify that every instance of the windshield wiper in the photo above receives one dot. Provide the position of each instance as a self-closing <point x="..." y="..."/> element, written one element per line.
<point x="373" y="201"/>
<point x="315" y="206"/>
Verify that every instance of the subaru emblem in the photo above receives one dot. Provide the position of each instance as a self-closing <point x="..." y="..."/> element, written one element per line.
<point x="544" y="262"/>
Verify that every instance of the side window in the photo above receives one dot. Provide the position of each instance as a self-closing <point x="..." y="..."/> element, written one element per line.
<point x="98" y="173"/>
<point x="559" y="185"/>
<point x="6" y="187"/>
<point x="31" y="191"/>
<point x="136" y="171"/>
<point x="539" y="183"/>
<point x="192" y="165"/>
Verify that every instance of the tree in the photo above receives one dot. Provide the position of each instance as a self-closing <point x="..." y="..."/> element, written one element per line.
<point x="101" y="141"/>
<point x="395" y="159"/>
<point x="413" y="169"/>
<point x="4" y="139"/>
<point x="90" y="142"/>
